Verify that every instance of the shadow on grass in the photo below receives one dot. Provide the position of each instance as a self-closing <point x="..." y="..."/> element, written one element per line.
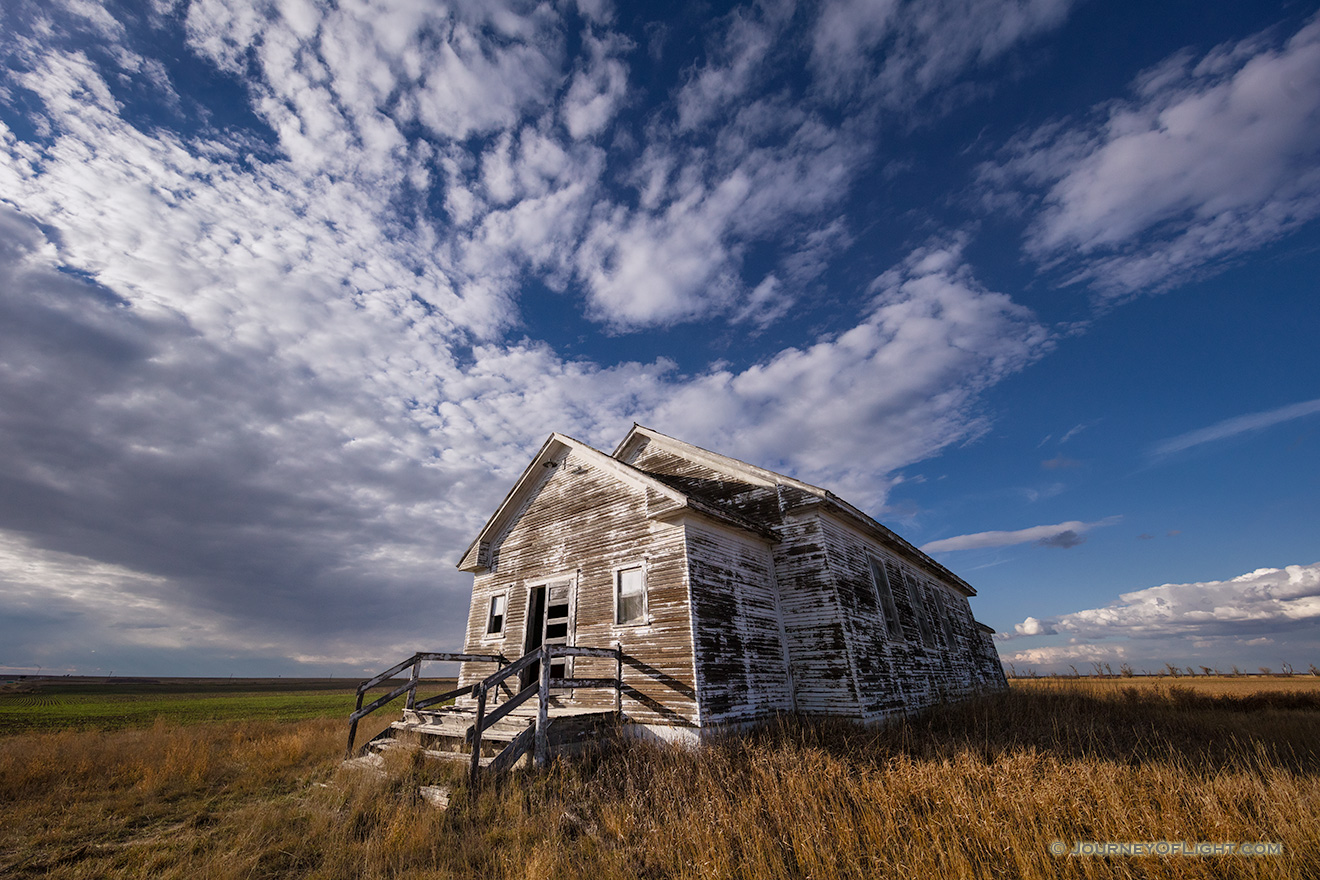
<point x="1133" y="727"/>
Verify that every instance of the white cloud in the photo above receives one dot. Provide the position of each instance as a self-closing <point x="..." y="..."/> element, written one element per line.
<point x="738" y="59"/>
<point x="898" y="52"/>
<point x="1237" y="425"/>
<point x="1063" y="655"/>
<point x="1210" y="158"/>
<point x="248" y="379"/>
<point x="1066" y="534"/>
<point x="893" y="390"/>
<point x="1263" y="600"/>
<point x="597" y="88"/>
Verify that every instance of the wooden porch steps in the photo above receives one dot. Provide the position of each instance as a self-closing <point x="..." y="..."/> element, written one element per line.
<point x="488" y="724"/>
<point x="445" y="734"/>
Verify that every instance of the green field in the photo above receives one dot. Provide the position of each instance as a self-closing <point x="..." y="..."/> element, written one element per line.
<point x="115" y="704"/>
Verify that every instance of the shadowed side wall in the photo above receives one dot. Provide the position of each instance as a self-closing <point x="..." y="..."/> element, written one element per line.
<point x="924" y="664"/>
<point x="741" y="669"/>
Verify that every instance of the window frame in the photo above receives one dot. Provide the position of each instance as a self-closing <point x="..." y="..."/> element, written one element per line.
<point x="884" y="597"/>
<point x="920" y="610"/>
<point x="942" y="607"/>
<point x="615" y="585"/>
<point x="488" y="633"/>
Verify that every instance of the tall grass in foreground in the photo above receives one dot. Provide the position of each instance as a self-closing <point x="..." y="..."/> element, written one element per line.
<point x="978" y="789"/>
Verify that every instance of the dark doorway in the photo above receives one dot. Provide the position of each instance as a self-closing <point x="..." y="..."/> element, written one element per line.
<point x="547" y="624"/>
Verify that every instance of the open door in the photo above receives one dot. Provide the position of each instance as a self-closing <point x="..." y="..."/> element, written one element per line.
<point x="549" y="622"/>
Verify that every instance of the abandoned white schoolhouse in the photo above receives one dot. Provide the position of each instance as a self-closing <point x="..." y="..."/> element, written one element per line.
<point x="676" y="589"/>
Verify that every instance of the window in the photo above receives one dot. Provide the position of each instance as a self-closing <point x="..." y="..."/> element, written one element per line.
<point x="630" y="596"/>
<point x="495" y="623"/>
<point x="886" y="597"/>
<point x="942" y="608"/>
<point x="919" y="609"/>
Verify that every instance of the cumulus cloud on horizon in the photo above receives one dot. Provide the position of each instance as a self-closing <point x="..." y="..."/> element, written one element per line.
<point x="1259" y="600"/>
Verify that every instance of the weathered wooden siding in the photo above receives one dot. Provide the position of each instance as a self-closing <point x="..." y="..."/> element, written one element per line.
<point x="945" y="658"/>
<point x="583" y="523"/>
<point x="817" y="644"/>
<point x="813" y="623"/>
<point x="741" y="668"/>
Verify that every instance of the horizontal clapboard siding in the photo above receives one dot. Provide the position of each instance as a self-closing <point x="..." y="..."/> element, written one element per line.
<point x="945" y="658"/>
<point x="741" y="671"/>
<point x="813" y="622"/>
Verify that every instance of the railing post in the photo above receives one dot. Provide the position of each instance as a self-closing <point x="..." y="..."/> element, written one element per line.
<point x="412" y="691"/>
<point x="618" y="680"/>
<point x="542" y="755"/>
<point x="476" y="732"/>
<point x="352" y="727"/>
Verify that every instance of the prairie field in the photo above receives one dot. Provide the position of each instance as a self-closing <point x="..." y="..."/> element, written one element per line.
<point x="1211" y="685"/>
<point x="984" y="788"/>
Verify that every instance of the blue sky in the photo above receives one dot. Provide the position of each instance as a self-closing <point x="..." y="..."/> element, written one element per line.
<point x="291" y="292"/>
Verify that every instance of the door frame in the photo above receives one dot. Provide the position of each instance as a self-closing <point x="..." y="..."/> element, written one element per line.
<point x="542" y="586"/>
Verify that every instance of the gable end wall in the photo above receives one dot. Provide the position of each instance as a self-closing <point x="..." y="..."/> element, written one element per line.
<point x="584" y="523"/>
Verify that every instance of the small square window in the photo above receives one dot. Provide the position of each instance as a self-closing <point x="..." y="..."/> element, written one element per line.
<point x="630" y="596"/>
<point x="495" y="623"/>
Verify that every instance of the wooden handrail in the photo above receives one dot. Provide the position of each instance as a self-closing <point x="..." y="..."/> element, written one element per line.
<point x="536" y="737"/>
<point x="539" y="738"/>
<point x="440" y="698"/>
<point x="410" y="686"/>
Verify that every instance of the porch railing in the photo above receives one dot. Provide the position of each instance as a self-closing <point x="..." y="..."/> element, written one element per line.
<point x="535" y="737"/>
<point x="409" y="687"/>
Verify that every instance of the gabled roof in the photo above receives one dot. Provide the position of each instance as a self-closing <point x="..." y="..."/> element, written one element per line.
<point x="553" y="451"/>
<point x="761" y="476"/>
<point x="749" y="472"/>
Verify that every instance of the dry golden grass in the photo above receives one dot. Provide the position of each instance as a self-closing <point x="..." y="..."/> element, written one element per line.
<point x="971" y="790"/>
<point x="1214" y="685"/>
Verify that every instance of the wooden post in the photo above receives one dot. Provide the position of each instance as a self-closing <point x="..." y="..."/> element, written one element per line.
<point x="412" y="691"/>
<point x="476" y="732"/>
<point x="542" y="755"/>
<point x="352" y="727"/>
<point x="618" y="681"/>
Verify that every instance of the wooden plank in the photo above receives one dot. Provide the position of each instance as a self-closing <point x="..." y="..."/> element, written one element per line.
<point x="575" y="651"/>
<point x="583" y="683"/>
<point x="386" y="675"/>
<point x="462" y="658"/>
<point x="416" y="676"/>
<point x="508" y="706"/>
<point x="475" y="767"/>
<point x="516" y="748"/>
<point x="447" y="695"/>
<point x="394" y="694"/>
<point x="542" y="756"/>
